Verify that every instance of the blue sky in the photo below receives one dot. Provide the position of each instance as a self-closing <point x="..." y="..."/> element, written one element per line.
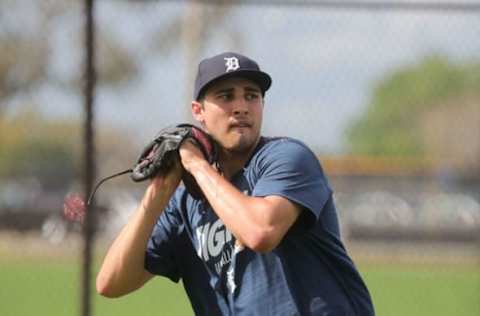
<point x="324" y="63"/>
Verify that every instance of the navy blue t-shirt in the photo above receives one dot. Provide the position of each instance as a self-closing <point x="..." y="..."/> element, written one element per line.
<point x="308" y="273"/>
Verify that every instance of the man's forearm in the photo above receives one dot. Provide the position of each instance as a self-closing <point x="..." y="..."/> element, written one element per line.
<point x="259" y="223"/>
<point x="123" y="269"/>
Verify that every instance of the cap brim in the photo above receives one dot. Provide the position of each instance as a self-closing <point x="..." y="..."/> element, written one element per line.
<point x="261" y="78"/>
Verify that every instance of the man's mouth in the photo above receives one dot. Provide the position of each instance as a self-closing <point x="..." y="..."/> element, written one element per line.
<point x="240" y="125"/>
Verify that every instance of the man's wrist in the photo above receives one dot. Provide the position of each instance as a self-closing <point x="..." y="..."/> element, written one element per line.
<point x="198" y="166"/>
<point x="159" y="192"/>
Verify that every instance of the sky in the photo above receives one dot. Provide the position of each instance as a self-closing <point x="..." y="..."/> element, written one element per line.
<point x="324" y="63"/>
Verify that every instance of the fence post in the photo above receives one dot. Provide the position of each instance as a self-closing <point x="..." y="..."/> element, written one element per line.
<point x="89" y="156"/>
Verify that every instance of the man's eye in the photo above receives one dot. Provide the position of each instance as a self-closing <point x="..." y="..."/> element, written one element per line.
<point x="225" y="97"/>
<point x="251" y="96"/>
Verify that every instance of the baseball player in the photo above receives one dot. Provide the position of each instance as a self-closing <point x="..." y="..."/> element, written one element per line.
<point x="263" y="239"/>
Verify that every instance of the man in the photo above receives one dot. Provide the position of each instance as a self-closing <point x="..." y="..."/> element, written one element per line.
<point x="265" y="241"/>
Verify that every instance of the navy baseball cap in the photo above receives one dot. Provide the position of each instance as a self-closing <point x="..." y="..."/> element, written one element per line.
<point x="227" y="65"/>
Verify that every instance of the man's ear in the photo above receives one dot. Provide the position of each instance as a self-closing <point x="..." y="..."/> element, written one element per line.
<point x="197" y="111"/>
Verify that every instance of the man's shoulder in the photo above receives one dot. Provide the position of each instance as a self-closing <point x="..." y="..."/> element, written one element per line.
<point x="282" y="145"/>
<point x="177" y="200"/>
<point x="181" y="198"/>
<point x="183" y="208"/>
<point x="282" y="153"/>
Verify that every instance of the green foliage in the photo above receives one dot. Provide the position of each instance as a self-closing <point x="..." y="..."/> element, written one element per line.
<point x="32" y="146"/>
<point x="390" y="124"/>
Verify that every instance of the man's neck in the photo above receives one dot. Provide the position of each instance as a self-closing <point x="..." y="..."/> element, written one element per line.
<point x="231" y="162"/>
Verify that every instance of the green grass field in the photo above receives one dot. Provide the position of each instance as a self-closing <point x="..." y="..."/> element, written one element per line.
<point x="35" y="286"/>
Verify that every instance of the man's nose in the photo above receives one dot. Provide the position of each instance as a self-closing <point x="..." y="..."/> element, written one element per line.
<point x="240" y="107"/>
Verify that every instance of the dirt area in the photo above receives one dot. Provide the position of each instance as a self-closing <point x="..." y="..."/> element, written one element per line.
<point x="14" y="246"/>
<point x="415" y="253"/>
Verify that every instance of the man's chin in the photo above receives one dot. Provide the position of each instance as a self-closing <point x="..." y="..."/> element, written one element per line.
<point x="241" y="145"/>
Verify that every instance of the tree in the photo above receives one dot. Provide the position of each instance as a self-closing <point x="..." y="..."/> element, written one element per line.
<point x="34" y="147"/>
<point x="26" y="54"/>
<point x="397" y="118"/>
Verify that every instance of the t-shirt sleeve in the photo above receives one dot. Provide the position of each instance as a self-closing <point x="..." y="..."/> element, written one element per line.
<point x="291" y="170"/>
<point x="160" y="258"/>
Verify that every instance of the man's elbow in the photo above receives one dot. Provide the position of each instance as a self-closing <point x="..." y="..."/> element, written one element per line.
<point x="263" y="241"/>
<point x="105" y="289"/>
<point x="111" y="287"/>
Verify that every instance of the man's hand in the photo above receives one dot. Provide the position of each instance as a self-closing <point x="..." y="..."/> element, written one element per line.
<point x="192" y="160"/>
<point x="162" y="152"/>
<point x="158" y="157"/>
<point x="160" y="187"/>
<point x="191" y="156"/>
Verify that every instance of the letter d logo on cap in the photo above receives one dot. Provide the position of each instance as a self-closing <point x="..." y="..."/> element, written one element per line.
<point x="231" y="63"/>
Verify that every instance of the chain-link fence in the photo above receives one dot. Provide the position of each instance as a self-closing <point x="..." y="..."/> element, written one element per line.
<point x="386" y="93"/>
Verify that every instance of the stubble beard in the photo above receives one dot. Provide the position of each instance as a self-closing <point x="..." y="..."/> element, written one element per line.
<point x="243" y="145"/>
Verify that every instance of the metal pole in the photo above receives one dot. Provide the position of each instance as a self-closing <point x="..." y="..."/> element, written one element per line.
<point x="89" y="174"/>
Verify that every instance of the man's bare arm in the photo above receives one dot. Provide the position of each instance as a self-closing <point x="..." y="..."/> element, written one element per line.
<point x="123" y="269"/>
<point x="258" y="223"/>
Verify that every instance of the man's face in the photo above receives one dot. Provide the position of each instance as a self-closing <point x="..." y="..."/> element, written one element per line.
<point x="232" y="113"/>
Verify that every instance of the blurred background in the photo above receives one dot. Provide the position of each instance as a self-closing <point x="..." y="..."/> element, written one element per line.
<point x="387" y="94"/>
